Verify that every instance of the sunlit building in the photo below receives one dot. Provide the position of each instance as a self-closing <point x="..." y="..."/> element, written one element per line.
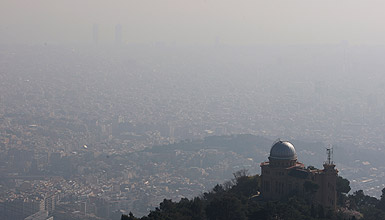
<point x="283" y="176"/>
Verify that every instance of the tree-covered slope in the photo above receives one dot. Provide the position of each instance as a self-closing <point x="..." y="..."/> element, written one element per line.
<point x="239" y="199"/>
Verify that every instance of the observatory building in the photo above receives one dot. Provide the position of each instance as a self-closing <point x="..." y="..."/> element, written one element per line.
<point x="283" y="176"/>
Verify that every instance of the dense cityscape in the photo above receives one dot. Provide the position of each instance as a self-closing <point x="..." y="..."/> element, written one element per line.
<point x="94" y="132"/>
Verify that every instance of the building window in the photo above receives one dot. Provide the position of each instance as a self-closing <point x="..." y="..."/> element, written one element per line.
<point x="276" y="186"/>
<point x="282" y="188"/>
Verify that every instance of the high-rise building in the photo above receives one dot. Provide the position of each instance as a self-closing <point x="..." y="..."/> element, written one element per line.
<point x="118" y="34"/>
<point x="95" y="33"/>
<point x="283" y="175"/>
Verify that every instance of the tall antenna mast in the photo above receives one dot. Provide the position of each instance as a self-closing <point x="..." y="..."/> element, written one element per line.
<point x="329" y="152"/>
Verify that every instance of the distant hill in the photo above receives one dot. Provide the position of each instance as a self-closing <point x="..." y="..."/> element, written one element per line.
<point x="242" y="144"/>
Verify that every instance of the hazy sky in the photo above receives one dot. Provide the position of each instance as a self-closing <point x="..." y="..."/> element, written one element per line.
<point x="194" y="21"/>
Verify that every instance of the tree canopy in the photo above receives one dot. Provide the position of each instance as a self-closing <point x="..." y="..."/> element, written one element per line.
<point x="239" y="199"/>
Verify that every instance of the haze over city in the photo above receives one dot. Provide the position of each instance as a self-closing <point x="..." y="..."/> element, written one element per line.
<point x="194" y="22"/>
<point x="108" y="107"/>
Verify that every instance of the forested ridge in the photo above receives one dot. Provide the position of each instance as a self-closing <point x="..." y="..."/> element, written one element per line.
<point x="239" y="199"/>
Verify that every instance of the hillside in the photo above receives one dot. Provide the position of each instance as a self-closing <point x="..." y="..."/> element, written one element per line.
<point x="239" y="199"/>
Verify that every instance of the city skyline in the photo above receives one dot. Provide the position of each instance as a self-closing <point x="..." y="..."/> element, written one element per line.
<point x="199" y="22"/>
